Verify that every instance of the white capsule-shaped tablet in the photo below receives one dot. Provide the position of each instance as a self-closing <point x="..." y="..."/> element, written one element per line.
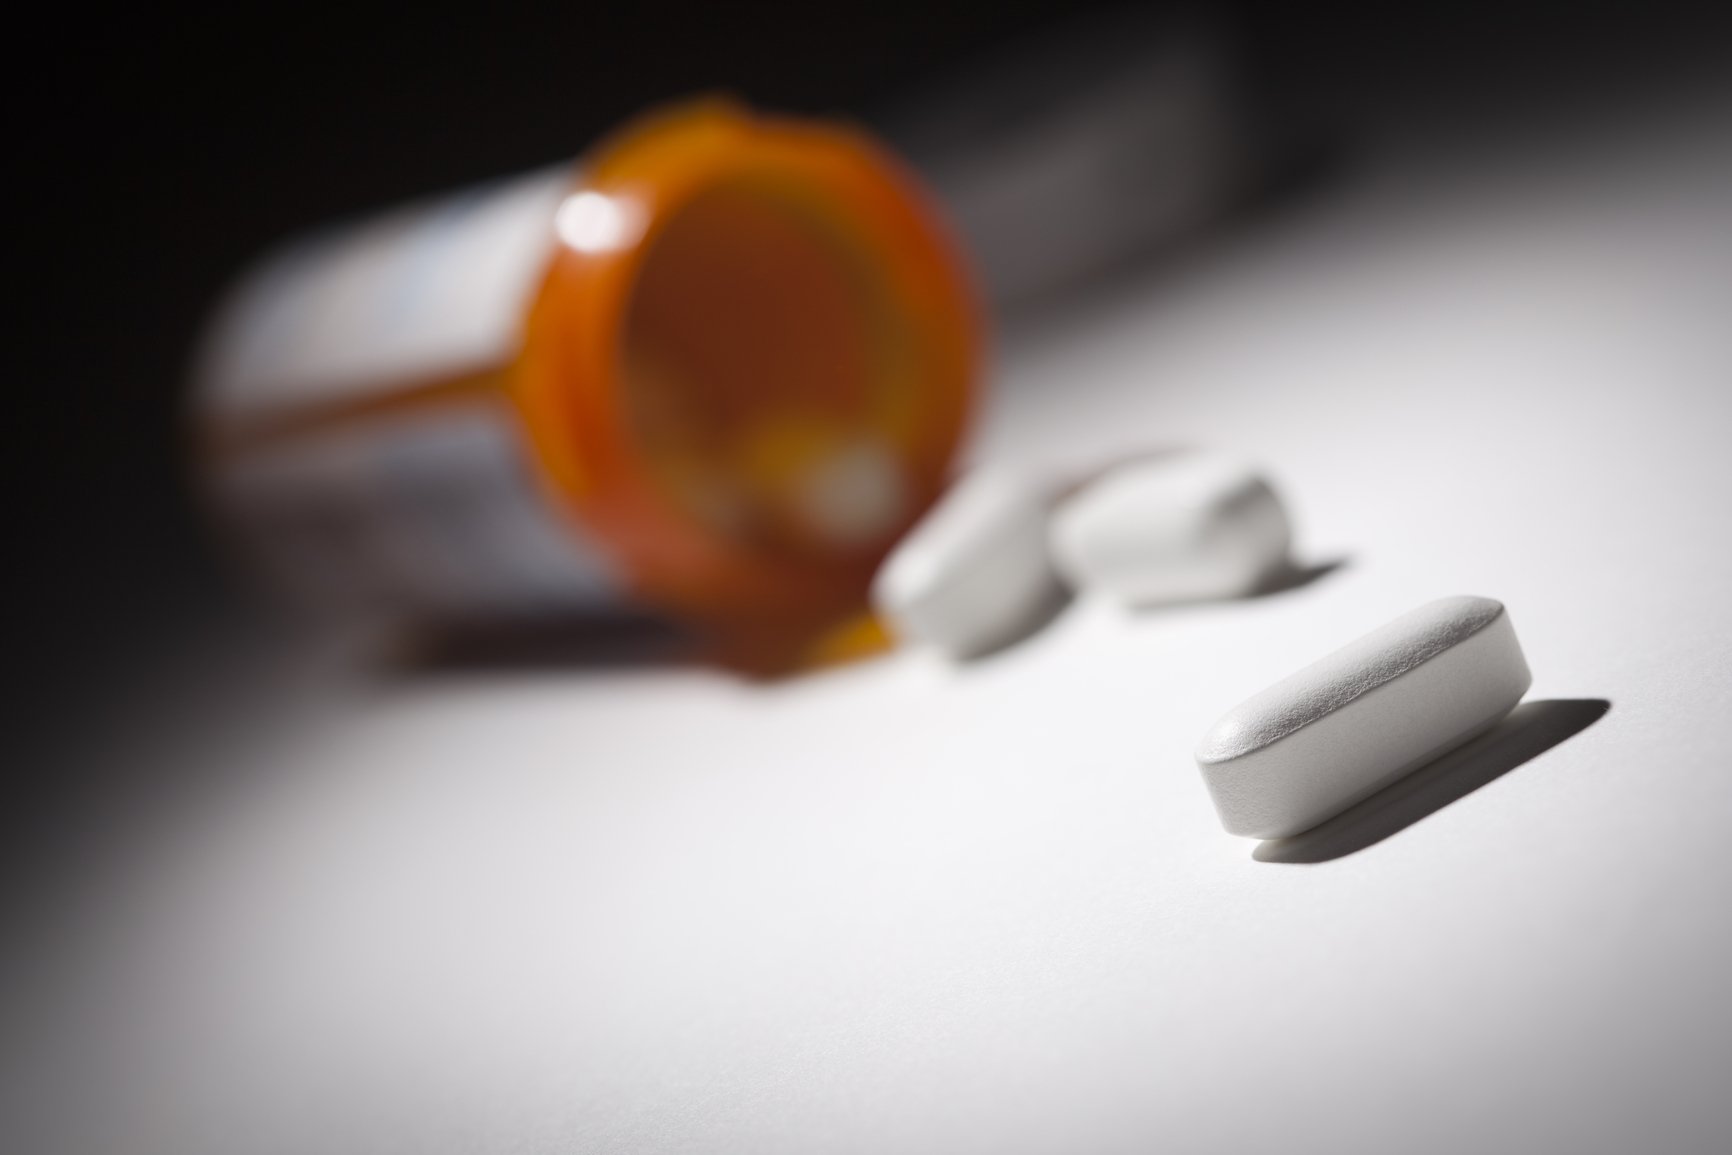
<point x="1179" y="527"/>
<point x="973" y="575"/>
<point x="1349" y="724"/>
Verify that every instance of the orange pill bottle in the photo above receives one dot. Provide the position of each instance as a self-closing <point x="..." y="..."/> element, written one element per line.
<point x="711" y="371"/>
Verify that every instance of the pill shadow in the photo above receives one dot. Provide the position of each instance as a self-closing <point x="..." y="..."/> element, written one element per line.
<point x="1530" y="730"/>
<point x="1292" y="576"/>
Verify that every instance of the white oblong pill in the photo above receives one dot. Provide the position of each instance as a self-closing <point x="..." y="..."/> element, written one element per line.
<point x="973" y="574"/>
<point x="1182" y="527"/>
<point x="1347" y="725"/>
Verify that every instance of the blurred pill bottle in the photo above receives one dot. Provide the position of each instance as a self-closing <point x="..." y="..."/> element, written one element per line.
<point x="710" y="371"/>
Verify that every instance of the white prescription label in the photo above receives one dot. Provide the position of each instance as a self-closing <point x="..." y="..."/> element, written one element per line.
<point x="429" y="291"/>
<point x="432" y="513"/>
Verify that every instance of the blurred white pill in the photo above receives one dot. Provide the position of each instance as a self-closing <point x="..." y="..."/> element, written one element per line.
<point x="1180" y="527"/>
<point x="1349" y="724"/>
<point x="973" y="575"/>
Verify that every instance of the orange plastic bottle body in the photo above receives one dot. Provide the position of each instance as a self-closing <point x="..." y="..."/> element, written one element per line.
<point x="733" y="371"/>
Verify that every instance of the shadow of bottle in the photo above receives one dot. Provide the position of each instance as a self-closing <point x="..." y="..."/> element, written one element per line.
<point x="561" y="642"/>
<point x="1530" y="730"/>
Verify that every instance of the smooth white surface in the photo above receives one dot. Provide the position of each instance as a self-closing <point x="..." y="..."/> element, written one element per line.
<point x="1350" y="723"/>
<point x="915" y="907"/>
<point x="1176" y="527"/>
<point x="974" y="573"/>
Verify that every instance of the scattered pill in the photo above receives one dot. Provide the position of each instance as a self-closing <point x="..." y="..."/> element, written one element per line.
<point x="1179" y="527"/>
<point x="1318" y="741"/>
<point x="974" y="574"/>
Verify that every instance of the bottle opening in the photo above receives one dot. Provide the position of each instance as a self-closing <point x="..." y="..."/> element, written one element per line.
<point x="759" y="377"/>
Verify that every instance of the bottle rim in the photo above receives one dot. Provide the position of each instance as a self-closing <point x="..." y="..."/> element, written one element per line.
<point x="574" y="390"/>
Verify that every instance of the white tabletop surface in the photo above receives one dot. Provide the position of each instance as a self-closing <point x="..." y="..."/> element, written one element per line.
<point x="906" y="906"/>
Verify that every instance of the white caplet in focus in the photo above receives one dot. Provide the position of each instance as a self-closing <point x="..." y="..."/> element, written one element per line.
<point x="1185" y="526"/>
<point x="974" y="574"/>
<point x="1349" y="724"/>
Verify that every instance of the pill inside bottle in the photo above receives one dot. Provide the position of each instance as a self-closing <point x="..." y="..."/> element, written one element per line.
<point x="712" y="370"/>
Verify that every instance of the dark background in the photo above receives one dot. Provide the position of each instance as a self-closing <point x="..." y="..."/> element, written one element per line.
<point x="157" y="150"/>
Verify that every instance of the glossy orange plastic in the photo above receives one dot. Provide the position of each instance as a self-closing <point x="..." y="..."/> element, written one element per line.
<point x="750" y="403"/>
